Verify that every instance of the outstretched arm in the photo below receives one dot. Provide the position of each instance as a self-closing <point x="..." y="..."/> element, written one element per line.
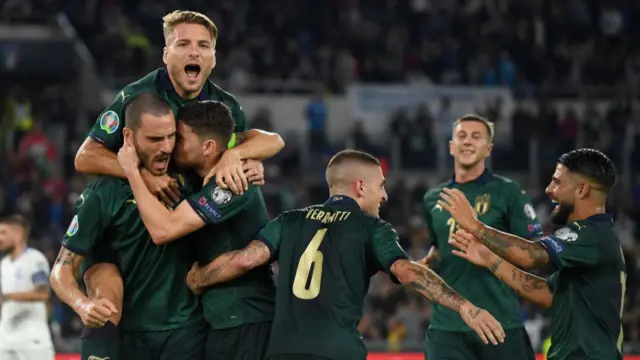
<point x="426" y="282"/>
<point x="229" y="266"/>
<point x="257" y="144"/>
<point x="95" y="158"/>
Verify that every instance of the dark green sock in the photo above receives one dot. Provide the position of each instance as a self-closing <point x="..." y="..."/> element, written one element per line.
<point x="100" y="343"/>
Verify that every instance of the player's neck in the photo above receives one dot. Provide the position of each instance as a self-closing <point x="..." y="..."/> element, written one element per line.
<point x="17" y="250"/>
<point x="183" y="94"/>
<point x="585" y="212"/>
<point x="464" y="175"/>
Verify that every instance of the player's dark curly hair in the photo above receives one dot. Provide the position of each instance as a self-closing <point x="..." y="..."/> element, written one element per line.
<point x="593" y="164"/>
<point x="209" y="119"/>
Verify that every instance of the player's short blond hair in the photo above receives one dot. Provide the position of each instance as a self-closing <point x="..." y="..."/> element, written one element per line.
<point x="477" y="118"/>
<point x="177" y="17"/>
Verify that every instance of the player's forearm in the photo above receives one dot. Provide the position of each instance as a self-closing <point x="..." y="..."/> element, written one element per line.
<point x="64" y="284"/>
<point x="232" y="265"/>
<point x="514" y="249"/>
<point x="258" y="144"/>
<point x="36" y="295"/>
<point x="426" y="282"/>
<point x="156" y="217"/>
<point x="93" y="158"/>
<point x="528" y="286"/>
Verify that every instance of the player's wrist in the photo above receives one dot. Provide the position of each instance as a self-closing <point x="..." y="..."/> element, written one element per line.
<point x="80" y="305"/>
<point x="465" y="307"/>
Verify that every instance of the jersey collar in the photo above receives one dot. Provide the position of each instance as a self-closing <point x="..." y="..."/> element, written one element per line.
<point x="166" y="84"/>
<point x="606" y="218"/>
<point x="342" y="200"/>
<point x="480" y="180"/>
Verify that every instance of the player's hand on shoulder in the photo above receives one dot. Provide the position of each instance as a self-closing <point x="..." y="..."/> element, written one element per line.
<point x="485" y="325"/>
<point x="95" y="313"/>
<point x="162" y="186"/>
<point x="467" y="247"/>
<point x="229" y="173"/>
<point x="254" y="170"/>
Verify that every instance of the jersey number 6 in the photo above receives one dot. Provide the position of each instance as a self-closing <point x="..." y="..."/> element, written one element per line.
<point x="310" y="257"/>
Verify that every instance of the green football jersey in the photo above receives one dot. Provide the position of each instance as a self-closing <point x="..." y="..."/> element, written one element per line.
<point x="233" y="222"/>
<point x="108" y="127"/>
<point x="588" y="290"/>
<point x="501" y="204"/>
<point x="326" y="254"/>
<point x="107" y="227"/>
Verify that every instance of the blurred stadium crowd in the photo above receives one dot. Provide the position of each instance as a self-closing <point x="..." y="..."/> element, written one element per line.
<point x="541" y="49"/>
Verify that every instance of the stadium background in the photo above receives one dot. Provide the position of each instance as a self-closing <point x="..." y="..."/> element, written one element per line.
<point x="386" y="76"/>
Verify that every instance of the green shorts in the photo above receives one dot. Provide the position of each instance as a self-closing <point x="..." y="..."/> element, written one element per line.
<point x="467" y="345"/>
<point x="177" y="344"/>
<point x="245" y="342"/>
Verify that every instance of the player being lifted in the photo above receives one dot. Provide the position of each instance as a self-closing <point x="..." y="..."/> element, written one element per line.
<point x="189" y="56"/>
<point x="500" y="203"/>
<point x="586" y="291"/>
<point x="24" y="330"/>
<point x="327" y="254"/>
<point x="107" y="229"/>
<point x="240" y="312"/>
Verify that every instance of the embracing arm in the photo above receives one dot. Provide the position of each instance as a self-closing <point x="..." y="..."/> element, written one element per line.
<point x="63" y="280"/>
<point x="230" y="265"/>
<point x="163" y="225"/>
<point x="95" y="158"/>
<point x="530" y="287"/>
<point x="516" y="250"/>
<point x="257" y="144"/>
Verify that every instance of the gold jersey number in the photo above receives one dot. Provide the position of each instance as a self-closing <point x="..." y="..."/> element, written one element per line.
<point x="311" y="257"/>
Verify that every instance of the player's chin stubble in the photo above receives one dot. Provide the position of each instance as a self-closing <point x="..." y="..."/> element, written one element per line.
<point x="561" y="216"/>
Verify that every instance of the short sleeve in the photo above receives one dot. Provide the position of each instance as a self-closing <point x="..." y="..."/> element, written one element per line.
<point x="271" y="234"/>
<point x="108" y="127"/>
<point x="88" y="223"/>
<point x="522" y="216"/>
<point x="568" y="248"/>
<point x="385" y="247"/>
<point x="552" y="281"/>
<point x="429" y="221"/>
<point x="215" y="204"/>
<point x="39" y="269"/>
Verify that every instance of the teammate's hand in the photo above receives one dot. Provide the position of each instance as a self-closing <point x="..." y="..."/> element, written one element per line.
<point x="162" y="186"/>
<point x="431" y="259"/>
<point x="95" y="313"/>
<point x="485" y="325"/>
<point x="470" y="249"/>
<point x="254" y="170"/>
<point x="127" y="156"/>
<point x="229" y="173"/>
<point x="192" y="279"/>
<point x="454" y="201"/>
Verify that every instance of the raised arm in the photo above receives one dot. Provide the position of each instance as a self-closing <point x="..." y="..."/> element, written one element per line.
<point x="516" y="250"/>
<point x="229" y="266"/>
<point x="257" y="144"/>
<point x="528" y="286"/>
<point x="427" y="283"/>
<point x="64" y="284"/>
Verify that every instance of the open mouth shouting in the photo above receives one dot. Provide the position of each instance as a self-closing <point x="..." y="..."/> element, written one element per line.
<point x="193" y="72"/>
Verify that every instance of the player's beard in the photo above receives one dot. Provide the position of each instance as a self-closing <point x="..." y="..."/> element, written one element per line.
<point x="561" y="215"/>
<point x="146" y="160"/>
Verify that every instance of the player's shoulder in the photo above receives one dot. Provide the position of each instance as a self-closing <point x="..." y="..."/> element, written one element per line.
<point x="433" y="194"/>
<point x="583" y="231"/>
<point x="107" y="187"/>
<point x="147" y="82"/>
<point x="35" y="255"/>
<point x="505" y="183"/>
<point x="223" y="95"/>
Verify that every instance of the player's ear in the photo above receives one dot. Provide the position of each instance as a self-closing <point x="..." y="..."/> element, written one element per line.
<point x="164" y="55"/>
<point x="209" y="147"/>
<point x="359" y="187"/>
<point x="583" y="190"/>
<point x="127" y="133"/>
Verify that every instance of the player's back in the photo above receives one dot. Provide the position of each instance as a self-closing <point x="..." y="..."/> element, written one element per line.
<point x="325" y="264"/>
<point x="24" y="324"/>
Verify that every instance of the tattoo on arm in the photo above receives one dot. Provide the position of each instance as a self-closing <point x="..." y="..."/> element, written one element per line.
<point x="233" y="264"/>
<point x="528" y="286"/>
<point x="429" y="284"/>
<point x="513" y="248"/>
<point x="65" y="257"/>
<point x="63" y="281"/>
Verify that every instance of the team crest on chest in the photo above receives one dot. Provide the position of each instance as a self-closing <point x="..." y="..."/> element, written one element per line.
<point x="482" y="204"/>
<point x="220" y="196"/>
